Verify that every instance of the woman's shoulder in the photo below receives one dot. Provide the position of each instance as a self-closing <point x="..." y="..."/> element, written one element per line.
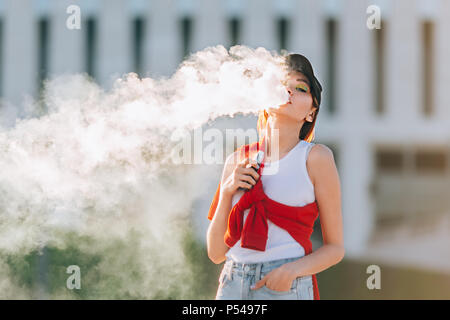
<point x="319" y="159"/>
<point x="320" y="151"/>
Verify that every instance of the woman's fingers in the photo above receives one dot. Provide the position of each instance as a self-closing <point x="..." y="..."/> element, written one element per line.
<point x="245" y="185"/>
<point x="251" y="172"/>
<point x="247" y="178"/>
<point x="245" y="174"/>
<point x="259" y="284"/>
<point x="248" y="172"/>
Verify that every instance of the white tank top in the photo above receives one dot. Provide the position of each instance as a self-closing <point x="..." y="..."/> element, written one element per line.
<point x="292" y="186"/>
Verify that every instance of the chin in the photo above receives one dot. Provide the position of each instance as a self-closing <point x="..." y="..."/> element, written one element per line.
<point x="273" y="110"/>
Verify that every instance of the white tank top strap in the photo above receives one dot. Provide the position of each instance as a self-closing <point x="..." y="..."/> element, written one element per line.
<point x="309" y="146"/>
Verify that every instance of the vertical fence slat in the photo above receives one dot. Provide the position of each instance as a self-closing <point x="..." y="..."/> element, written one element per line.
<point x="163" y="43"/>
<point x="66" y="49"/>
<point x="404" y="91"/>
<point x="209" y="25"/>
<point x="307" y="37"/>
<point x="115" y="45"/>
<point x="354" y="73"/>
<point x="259" y="29"/>
<point x="20" y="51"/>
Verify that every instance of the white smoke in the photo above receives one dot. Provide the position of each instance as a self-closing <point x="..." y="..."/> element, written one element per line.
<point x="95" y="173"/>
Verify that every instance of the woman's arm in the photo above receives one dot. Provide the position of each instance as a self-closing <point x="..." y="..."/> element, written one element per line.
<point x="324" y="175"/>
<point x="219" y="224"/>
<point x="235" y="175"/>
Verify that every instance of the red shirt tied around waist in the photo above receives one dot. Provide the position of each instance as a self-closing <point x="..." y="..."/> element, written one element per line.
<point x="297" y="221"/>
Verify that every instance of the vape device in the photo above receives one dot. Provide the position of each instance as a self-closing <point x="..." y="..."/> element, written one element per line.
<point x="259" y="159"/>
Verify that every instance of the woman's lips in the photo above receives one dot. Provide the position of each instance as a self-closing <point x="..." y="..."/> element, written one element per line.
<point x="283" y="105"/>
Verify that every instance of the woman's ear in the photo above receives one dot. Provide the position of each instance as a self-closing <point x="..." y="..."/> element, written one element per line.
<point x="310" y="116"/>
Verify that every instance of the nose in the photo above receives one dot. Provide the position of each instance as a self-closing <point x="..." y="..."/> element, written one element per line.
<point x="289" y="91"/>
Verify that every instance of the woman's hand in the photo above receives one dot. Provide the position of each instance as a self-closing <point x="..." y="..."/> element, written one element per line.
<point x="242" y="176"/>
<point x="279" y="279"/>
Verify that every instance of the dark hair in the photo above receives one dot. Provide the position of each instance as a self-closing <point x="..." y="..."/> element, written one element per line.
<point x="299" y="63"/>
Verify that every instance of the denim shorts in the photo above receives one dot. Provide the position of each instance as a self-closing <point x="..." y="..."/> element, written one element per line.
<point x="236" y="279"/>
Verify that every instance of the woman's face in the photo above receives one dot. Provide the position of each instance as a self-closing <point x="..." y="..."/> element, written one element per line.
<point x="300" y="104"/>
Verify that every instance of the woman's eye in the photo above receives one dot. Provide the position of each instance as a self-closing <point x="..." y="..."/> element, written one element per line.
<point x="301" y="88"/>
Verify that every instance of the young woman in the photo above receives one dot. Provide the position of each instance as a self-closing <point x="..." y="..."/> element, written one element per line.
<point x="261" y="224"/>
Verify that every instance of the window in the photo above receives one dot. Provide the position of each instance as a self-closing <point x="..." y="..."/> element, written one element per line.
<point x="390" y="160"/>
<point x="427" y="161"/>
<point x="43" y="50"/>
<point x="331" y="30"/>
<point x="234" y="31"/>
<point x="410" y="184"/>
<point x="283" y="33"/>
<point x="427" y="63"/>
<point x="186" y="36"/>
<point x="91" y="33"/>
<point x="138" y="43"/>
<point x="379" y="67"/>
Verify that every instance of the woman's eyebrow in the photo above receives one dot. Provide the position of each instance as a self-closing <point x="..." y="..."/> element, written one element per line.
<point x="303" y="80"/>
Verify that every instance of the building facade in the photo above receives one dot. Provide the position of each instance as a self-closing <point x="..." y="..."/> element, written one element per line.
<point x="386" y="104"/>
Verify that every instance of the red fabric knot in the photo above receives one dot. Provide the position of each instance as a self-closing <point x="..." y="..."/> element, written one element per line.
<point x="254" y="232"/>
<point x="298" y="221"/>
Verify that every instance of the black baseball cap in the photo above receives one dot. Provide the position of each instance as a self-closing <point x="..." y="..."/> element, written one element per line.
<point x="299" y="63"/>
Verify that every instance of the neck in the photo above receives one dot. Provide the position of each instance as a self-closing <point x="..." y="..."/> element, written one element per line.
<point x="282" y="136"/>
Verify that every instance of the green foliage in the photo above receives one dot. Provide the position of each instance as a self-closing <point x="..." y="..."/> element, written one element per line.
<point x="114" y="270"/>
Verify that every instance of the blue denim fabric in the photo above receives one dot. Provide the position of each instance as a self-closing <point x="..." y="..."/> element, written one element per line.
<point x="236" y="279"/>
